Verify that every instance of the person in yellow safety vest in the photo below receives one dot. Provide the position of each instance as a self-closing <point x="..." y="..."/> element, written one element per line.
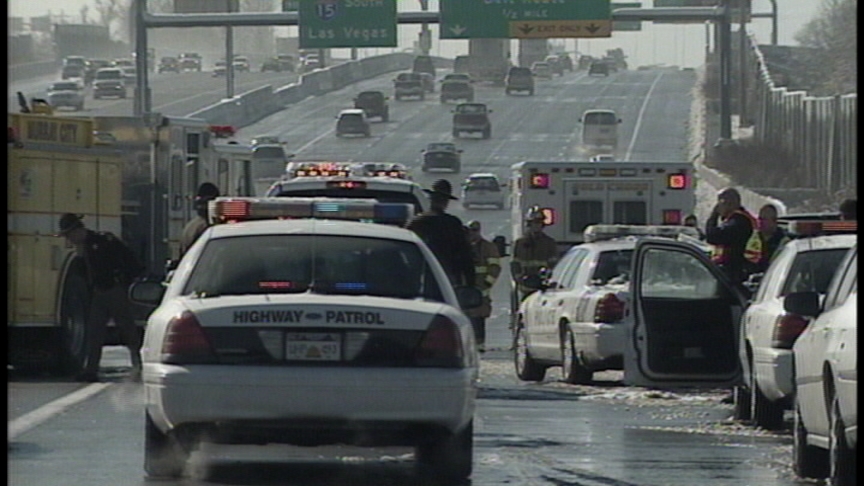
<point x="772" y="236"/>
<point x="737" y="247"/>
<point x="532" y="251"/>
<point x="487" y="268"/>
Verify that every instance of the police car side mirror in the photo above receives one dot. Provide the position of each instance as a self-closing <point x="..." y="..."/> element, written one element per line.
<point x="147" y="292"/>
<point x="579" y="120"/>
<point x="468" y="297"/>
<point x="501" y="244"/>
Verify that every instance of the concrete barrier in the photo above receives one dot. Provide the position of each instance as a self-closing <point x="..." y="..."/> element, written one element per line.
<point x="33" y="70"/>
<point x="251" y="106"/>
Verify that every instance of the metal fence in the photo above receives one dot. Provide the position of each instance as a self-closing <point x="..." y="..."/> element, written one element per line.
<point x="818" y="133"/>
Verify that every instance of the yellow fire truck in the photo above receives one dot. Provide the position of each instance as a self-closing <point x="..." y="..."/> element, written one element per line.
<point x="131" y="178"/>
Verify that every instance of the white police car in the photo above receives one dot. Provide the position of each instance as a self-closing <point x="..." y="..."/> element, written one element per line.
<point x="309" y="331"/>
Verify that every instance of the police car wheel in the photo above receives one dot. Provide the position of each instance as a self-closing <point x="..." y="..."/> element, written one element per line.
<point x="163" y="455"/>
<point x="842" y="457"/>
<point x="447" y="455"/>
<point x="808" y="461"/>
<point x="765" y="413"/>
<point x="741" y="400"/>
<point x="574" y="371"/>
<point x="526" y="368"/>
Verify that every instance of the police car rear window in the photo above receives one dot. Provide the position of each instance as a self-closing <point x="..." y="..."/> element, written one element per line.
<point x="268" y="153"/>
<point x="339" y="265"/>
<point x="600" y="119"/>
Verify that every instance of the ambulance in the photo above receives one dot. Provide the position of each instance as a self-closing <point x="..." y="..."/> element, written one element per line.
<point x="576" y="195"/>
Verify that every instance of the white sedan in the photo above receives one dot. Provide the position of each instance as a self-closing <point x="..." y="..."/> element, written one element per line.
<point x="309" y="332"/>
<point x="826" y="369"/>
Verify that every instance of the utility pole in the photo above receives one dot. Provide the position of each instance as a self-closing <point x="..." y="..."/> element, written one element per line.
<point x="141" y="94"/>
<point x="742" y="62"/>
<point x="773" y="22"/>
<point x="425" y="34"/>
<point x="725" y="37"/>
<point x="229" y="52"/>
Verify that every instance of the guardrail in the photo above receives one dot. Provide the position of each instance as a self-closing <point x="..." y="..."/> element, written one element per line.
<point x="252" y="106"/>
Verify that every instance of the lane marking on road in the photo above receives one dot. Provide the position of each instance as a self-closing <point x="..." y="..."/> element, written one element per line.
<point x="639" y="118"/>
<point x="37" y="417"/>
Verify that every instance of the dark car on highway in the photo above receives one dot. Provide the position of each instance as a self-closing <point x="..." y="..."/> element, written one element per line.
<point x="519" y="80"/>
<point x="471" y="118"/>
<point x="374" y="103"/>
<point x="169" y="65"/>
<point x="441" y="155"/>
<point x="409" y="85"/>
<point x="456" y="91"/>
<point x="599" y="67"/>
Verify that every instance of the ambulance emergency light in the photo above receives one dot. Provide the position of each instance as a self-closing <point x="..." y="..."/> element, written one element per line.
<point x="236" y="209"/>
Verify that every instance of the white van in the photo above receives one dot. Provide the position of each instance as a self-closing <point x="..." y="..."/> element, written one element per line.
<point x="600" y="128"/>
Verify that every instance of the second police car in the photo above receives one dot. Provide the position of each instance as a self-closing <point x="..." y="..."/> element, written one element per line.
<point x="309" y="330"/>
<point x="575" y="317"/>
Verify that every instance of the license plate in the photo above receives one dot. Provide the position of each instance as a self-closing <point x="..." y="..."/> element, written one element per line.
<point x="309" y="346"/>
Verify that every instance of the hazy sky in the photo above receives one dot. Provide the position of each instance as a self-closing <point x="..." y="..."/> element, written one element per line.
<point x="669" y="44"/>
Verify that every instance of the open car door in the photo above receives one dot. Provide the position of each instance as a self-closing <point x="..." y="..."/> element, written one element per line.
<point x="683" y="328"/>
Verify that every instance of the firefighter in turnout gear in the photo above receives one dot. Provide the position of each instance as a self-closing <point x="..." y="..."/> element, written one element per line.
<point x="532" y="252"/>
<point x="733" y="232"/>
<point x="487" y="268"/>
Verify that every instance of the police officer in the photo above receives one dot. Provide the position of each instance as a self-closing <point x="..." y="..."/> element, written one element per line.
<point x="445" y="235"/>
<point x="849" y="210"/>
<point x="111" y="268"/>
<point x="193" y="229"/>
<point x="487" y="268"/>
<point x="531" y="252"/>
<point x="731" y="230"/>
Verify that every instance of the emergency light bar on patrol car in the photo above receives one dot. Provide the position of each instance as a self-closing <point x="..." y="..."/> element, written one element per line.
<point x="807" y="227"/>
<point x="236" y="209"/>
<point x="348" y="169"/>
<point x="599" y="232"/>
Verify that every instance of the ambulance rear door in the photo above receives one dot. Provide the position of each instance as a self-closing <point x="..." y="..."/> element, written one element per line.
<point x="594" y="200"/>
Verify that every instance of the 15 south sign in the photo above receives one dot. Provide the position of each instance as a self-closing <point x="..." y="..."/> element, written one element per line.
<point x="347" y="23"/>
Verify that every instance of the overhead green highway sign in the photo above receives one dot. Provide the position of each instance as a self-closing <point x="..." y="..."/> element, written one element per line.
<point x="347" y="23"/>
<point x="524" y="19"/>
<point x="625" y="25"/>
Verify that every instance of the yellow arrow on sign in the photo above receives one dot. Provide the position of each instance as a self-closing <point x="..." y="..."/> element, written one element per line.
<point x="546" y="29"/>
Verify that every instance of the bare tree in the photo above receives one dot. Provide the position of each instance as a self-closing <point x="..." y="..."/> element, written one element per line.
<point x="833" y="35"/>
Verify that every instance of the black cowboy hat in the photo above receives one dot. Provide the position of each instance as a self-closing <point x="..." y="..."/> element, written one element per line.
<point x="441" y="188"/>
<point x="69" y="222"/>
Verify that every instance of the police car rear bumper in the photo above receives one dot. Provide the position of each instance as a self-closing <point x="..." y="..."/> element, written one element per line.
<point x="177" y="395"/>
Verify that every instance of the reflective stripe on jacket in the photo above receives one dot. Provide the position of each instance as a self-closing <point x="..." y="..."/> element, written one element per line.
<point x="721" y="254"/>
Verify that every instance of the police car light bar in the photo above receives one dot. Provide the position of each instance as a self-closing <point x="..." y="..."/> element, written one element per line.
<point x="599" y="232"/>
<point x="802" y="227"/>
<point x="235" y="209"/>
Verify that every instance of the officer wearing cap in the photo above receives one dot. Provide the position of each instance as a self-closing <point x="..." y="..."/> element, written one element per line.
<point x="196" y="226"/>
<point x="111" y="268"/>
<point x="532" y="252"/>
<point x="445" y="235"/>
<point x="487" y="268"/>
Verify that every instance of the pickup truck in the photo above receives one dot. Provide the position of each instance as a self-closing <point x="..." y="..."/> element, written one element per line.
<point x="409" y="85"/>
<point x="471" y="118"/>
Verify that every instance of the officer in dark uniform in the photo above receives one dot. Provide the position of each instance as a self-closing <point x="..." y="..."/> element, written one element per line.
<point x="732" y="231"/>
<point x="445" y="235"/>
<point x="193" y="229"/>
<point x="111" y="268"/>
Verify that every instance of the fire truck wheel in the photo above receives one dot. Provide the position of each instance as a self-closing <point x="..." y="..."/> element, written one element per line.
<point x="73" y="325"/>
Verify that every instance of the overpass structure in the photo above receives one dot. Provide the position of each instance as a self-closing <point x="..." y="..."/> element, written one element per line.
<point x="720" y="15"/>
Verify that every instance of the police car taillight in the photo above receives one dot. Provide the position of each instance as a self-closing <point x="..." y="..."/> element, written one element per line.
<point x="346" y="184"/>
<point x="441" y="345"/>
<point x="802" y="227"/>
<point x="185" y="342"/>
<point x="599" y="232"/>
<point x="227" y="209"/>
<point x="609" y="309"/>
<point x="787" y="328"/>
